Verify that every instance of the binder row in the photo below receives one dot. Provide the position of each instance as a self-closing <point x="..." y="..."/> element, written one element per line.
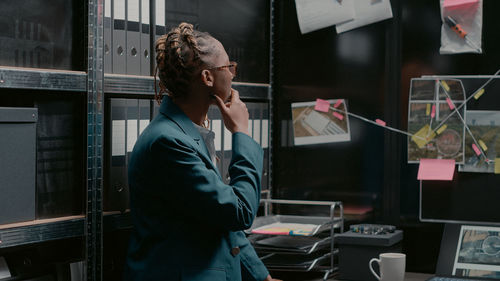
<point x="127" y="36"/>
<point x="127" y="48"/>
<point x="129" y="117"/>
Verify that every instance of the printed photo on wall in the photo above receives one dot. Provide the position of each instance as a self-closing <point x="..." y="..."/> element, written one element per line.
<point x="321" y="121"/>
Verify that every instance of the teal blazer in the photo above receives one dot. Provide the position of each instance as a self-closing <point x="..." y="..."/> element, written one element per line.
<point x="187" y="222"/>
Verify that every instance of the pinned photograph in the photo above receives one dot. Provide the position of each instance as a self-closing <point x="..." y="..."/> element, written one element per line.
<point x="438" y="131"/>
<point x="321" y="121"/>
<point x="485" y="127"/>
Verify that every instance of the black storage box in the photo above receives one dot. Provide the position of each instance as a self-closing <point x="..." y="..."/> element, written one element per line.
<point x="356" y="250"/>
<point x="17" y="164"/>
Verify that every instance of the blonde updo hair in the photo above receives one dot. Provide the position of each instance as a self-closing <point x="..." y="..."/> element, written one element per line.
<point x="179" y="56"/>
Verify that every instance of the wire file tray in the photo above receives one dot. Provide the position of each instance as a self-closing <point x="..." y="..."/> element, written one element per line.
<point x="298" y="243"/>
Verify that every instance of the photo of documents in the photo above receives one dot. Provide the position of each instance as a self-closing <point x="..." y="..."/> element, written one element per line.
<point x="312" y="127"/>
<point x="485" y="127"/>
<point x="478" y="252"/>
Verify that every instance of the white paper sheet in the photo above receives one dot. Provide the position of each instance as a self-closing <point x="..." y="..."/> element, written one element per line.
<point x="317" y="14"/>
<point x="367" y="12"/>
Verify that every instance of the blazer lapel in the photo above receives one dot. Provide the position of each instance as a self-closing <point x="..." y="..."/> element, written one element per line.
<point x="173" y="112"/>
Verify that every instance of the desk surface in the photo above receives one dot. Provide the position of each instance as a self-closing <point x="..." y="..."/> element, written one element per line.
<point x="411" y="276"/>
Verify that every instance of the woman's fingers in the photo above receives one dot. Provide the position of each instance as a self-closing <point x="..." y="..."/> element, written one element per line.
<point x="220" y="103"/>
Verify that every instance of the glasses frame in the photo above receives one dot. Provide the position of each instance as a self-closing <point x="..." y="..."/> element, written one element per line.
<point x="230" y="66"/>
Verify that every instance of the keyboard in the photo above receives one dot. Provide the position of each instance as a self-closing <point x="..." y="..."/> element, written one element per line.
<point x="449" y="279"/>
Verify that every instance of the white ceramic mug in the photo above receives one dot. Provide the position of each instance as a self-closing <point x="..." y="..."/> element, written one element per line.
<point x="392" y="266"/>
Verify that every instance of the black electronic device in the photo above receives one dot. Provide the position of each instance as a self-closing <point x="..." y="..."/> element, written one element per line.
<point x="465" y="253"/>
<point x="372" y="229"/>
<point x="362" y="243"/>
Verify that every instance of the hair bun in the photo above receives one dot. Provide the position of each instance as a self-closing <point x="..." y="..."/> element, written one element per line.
<point x="186" y="29"/>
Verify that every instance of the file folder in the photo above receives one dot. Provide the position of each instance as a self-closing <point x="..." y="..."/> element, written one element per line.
<point x="144" y="114"/>
<point x="145" y="52"/>
<point x="227" y="153"/>
<point x="119" y="38"/>
<point x="133" y="37"/>
<point x="114" y="199"/>
<point x="132" y="124"/>
<point x="159" y="18"/>
<point x="159" y="23"/>
<point x="217" y="126"/>
<point x="108" y="68"/>
<point x="265" y="145"/>
<point x="256" y="127"/>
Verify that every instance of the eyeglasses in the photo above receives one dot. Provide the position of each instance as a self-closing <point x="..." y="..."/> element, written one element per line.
<point x="231" y="66"/>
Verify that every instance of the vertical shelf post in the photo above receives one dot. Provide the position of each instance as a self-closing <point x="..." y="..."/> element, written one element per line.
<point x="95" y="107"/>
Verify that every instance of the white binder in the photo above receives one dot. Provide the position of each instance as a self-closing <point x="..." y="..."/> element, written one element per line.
<point x="108" y="67"/>
<point x="133" y="37"/>
<point x="119" y="37"/>
<point x="159" y="23"/>
<point x="159" y="18"/>
<point x="145" y="53"/>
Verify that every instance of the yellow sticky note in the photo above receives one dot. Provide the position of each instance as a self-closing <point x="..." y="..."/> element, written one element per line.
<point x="428" y="109"/>
<point x="423" y="136"/>
<point x="440" y="130"/>
<point x="445" y="86"/>
<point x="497" y="165"/>
<point x="483" y="145"/>
<point x="479" y="94"/>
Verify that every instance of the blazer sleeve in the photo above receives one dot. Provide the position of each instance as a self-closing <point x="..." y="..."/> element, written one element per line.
<point x="202" y="193"/>
<point x="252" y="268"/>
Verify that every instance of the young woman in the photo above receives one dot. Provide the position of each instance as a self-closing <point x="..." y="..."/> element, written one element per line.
<point x="187" y="222"/>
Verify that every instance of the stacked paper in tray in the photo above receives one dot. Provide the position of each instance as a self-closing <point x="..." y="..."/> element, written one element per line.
<point x="280" y="228"/>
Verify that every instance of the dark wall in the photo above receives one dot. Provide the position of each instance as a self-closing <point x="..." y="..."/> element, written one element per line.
<point x="371" y="67"/>
<point x="324" y="65"/>
<point x="420" y="56"/>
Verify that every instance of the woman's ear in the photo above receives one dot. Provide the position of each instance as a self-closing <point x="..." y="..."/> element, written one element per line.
<point x="207" y="78"/>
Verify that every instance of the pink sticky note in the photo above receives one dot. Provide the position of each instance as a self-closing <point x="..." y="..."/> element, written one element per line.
<point x="337" y="103"/>
<point x="436" y="169"/>
<point x="338" y="115"/>
<point x="322" y="105"/>
<point x="450" y="103"/>
<point x="380" y="122"/>
<point x="456" y="3"/>
<point x="476" y="149"/>
<point x="433" y="111"/>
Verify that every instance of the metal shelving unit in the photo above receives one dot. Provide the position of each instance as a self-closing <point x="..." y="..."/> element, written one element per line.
<point x="95" y="85"/>
<point x="81" y="83"/>
<point x="42" y="79"/>
<point x="17" y="234"/>
<point x="120" y="84"/>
